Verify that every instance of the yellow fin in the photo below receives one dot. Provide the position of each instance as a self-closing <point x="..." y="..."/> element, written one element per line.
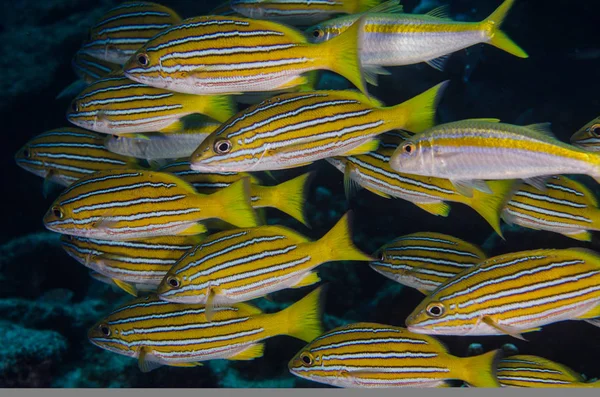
<point x="423" y="291"/>
<point x="196" y="228"/>
<point x="146" y="361"/>
<point x="295" y="82"/>
<point x="176" y="127"/>
<point x="480" y="371"/>
<point x="350" y="185"/>
<point x="302" y="320"/>
<point x="310" y="279"/>
<point x="337" y="244"/>
<point x="289" y="196"/>
<point x="418" y="113"/>
<point x="581" y="236"/>
<point x="595" y="312"/>
<point x="125" y="286"/>
<point x="506" y="329"/>
<point x="497" y="37"/>
<point x="187" y="365"/>
<point x="209" y="307"/>
<point x="218" y="107"/>
<point x="377" y="192"/>
<point x="367" y="147"/>
<point x="438" y="209"/>
<point x="253" y="351"/>
<point x="490" y="206"/>
<point x="233" y="204"/>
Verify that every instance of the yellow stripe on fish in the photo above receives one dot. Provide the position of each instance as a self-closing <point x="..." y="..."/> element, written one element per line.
<point x="370" y="355"/>
<point x="125" y="28"/>
<point x="565" y="206"/>
<point x="129" y="263"/>
<point x="116" y="105"/>
<point x="298" y="128"/>
<point x="533" y="371"/>
<point x="243" y="264"/>
<point x="131" y="204"/>
<point x="162" y="333"/>
<point x="373" y="172"/>
<point x="513" y="293"/>
<point x="426" y="260"/>
<point x="225" y="54"/>
<point x="65" y="155"/>
<point x="588" y="136"/>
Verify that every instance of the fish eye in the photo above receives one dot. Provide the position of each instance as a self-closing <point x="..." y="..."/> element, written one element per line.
<point x="173" y="282"/>
<point x="104" y="330"/>
<point x="74" y="106"/>
<point x="222" y="146"/>
<point x="318" y="33"/>
<point x="595" y="130"/>
<point x="26" y="153"/>
<point x="306" y="358"/>
<point x="436" y="309"/>
<point x="57" y="212"/>
<point x="408" y="148"/>
<point x="143" y="59"/>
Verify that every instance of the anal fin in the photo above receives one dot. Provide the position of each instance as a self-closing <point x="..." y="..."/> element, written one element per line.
<point x="366" y="147"/>
<point x="253" y="351"/>
<point x="439" y="63"/>
<point x="197" y="228"/>
<point x="310" y="279"/>
<point x="125" y="286"/>
<point x="439" y="209"/>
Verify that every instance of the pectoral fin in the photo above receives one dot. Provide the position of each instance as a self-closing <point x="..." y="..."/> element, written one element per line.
<point x="125" y="286"/>
<point x="147" y="361"/>
<point x="538" y="182"/>
<point x="507" y="329"/>
<point x="466" y="186"/>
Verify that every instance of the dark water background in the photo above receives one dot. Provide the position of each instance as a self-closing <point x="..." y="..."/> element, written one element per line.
<point x="47" y="300"/>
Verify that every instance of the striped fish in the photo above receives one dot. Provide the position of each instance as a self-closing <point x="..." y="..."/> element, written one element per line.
<point x="130" y="263"/>
<point x="565" y="206"/>
<point x="470" y="151"/>
<point x="298" y="128"/>
<point x="588" y="136"/>
<point x="116" y="105"/>
<point x="300" y="12"/>
<point x="391" y="38"/>
<point x="131" y="204"/>
<point x="243" y="264"/>
<point x="90" y="69"/>
<point x="161" y="333"/>
<point x="373" y="172"/>
<point x="425" y="260"/>
<point x="125" y="28"/>
<point x="369" y="355"/>
<point x="533" y="371"/>
<point x="109" y="281"/>
<point x="513" y="293"/>
<point x="65" y="155"/>
<point x="225" y="54"/>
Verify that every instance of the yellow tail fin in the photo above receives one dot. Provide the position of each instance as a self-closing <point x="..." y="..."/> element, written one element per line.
<point x="418" y="113"/>
<point x="337" y="244"/>
<point x="497" y="37"/>
<point x="289" y="196"/>
<point x="342" y="54"/>
<point x="218" y="107"/>
<point x="302" y="320"/>
<point x="490" y="206"/>
<point x="232" y="204"/>
<point x="480" y="371"/>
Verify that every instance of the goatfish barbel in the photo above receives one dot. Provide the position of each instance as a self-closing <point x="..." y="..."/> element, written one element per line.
<point x="564" y="206"/>
<point x="296" y="129"/>
<point x="533" y="371"/>
<point x="243" y="264"/>
<point x="125" y="28"/>
<point x="369" y="355"/>
<point x="131" y="204"/>
<point x="373" y="172"/>
<point x="130" y="263"/>
<point x="395" y="39"/>
<point x="225" y="54"/>
<point x="162" y="333"/>
<point x="469" y="151"/>
<point x="117" y="106"/>
<point x="588" y="136"/>
<point x="65" y="155"/>
<point x="300" y="12"/>
<point x="425" y="260"/>
<point x="514" y="293"/>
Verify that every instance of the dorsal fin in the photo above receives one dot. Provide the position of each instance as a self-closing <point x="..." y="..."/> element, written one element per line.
<point x="442" y="12"/>
<point x="542" y="128"/>
<point x="389" y="7"/>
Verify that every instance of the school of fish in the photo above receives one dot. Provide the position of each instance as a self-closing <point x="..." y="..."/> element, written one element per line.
<point x="163" y="197"/>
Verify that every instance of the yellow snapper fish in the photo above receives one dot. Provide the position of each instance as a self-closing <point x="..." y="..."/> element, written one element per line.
<point x="394" y="39"/>
<point x="65" y="155"/>
<point x="469" y="151"/>
<point x="369" y="355"/>
<point x="533" y="371"/>
<point x="116" y="105"/>
<point x="90" y="69"/>
<point x="514" y="293"/>
<point x="565" y="206"/>
<point x="130" y="263"/>
<point x="588" y="136"/>
<point x="162" y="333"/>
<point x="296" y="129"/>
<point x="243" y="264"/>
<point x="131" y="204"/>
<point x="225" y="54"/>
<point x="109" y="281"/>
<point x="125" y="28"/>
<point x="425" y="260"/>
<point x="300" y="12"/>
<point x="288" y="197"/>
<point x="373" y="172"/>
